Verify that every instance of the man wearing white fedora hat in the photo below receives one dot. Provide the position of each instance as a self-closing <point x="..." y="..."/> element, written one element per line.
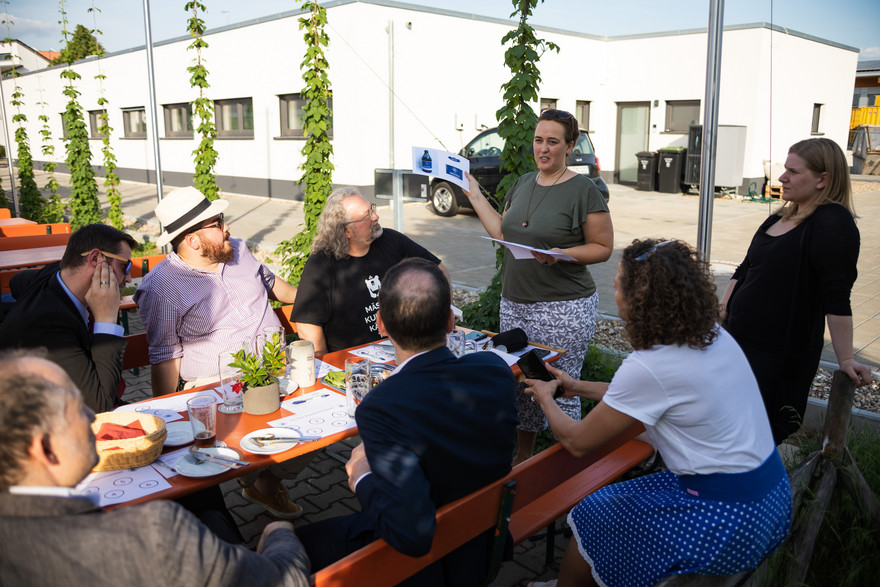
<point x="206" y="297"/>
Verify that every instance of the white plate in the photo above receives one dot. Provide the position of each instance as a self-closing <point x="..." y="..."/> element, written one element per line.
<point x="206" y="469"/>
<point x="179" y="433"/>
<point x="286" y="386"/>
<point x="250" y="446"/>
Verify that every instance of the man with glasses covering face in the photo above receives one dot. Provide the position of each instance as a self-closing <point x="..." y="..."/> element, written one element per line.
<point x="70" y="308"/>
<point x="339" y="288"/>
<point x="208" y="296"/>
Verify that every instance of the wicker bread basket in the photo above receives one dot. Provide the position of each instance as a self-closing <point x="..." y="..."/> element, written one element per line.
<point x="129" y="452"/>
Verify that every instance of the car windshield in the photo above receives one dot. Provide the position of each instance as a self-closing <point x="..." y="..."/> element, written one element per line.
<point x="583" y="145"/>
<point x="485" y="145"/>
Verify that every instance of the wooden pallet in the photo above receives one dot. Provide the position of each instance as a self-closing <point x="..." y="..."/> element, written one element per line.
<point x="773" y="191"/>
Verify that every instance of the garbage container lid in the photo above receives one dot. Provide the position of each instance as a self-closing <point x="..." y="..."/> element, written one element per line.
<point x="673" y="149"/>
<point x="646" y="154"/>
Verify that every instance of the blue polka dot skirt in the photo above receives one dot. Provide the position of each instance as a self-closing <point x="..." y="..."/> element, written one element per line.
<point x="637" y="532"/>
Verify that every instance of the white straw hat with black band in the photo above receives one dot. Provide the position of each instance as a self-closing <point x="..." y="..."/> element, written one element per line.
<point x="182" y="209"/>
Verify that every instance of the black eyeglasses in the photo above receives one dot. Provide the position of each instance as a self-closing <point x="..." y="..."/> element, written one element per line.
<point x="554" y="114"/>
<point x="108" y="256"/>
<point x="216" y="224"/>
<point x="367" y="216"/>
<point x="650" y="251"/>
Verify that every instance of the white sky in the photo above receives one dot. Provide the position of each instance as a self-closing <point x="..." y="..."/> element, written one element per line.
<point x="851" y="22"/>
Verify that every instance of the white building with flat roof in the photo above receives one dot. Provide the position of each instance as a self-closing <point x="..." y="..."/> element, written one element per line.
<point x="406" y="75"/>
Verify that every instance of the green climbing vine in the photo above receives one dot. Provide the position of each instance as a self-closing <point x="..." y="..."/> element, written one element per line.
<point x="111" y="180"/>
<point x="317" y="177"/>
<point x="30" y="199"/>
<point x="53" y="208"/>
<point x="516" y="125"/>
<point x="205" y="154"/>
<point x="84" y="205"/>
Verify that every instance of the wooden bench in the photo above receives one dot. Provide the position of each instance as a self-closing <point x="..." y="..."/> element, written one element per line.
<point x="532" y="496"/>
<point x="16" y="230"/>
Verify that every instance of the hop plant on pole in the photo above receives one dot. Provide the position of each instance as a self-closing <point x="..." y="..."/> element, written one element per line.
<point x="30" y="198"/>
<point x="317" y="177"/>
<point x="84" y="205"/>
<point x="516" y="124"/>
<point x="111" y="180"/>
<point x="205" y="154"/>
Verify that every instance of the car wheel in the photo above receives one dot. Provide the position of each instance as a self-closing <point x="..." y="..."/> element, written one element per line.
<point x="443" y="199"/>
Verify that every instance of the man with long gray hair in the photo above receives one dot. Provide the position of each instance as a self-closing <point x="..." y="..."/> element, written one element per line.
<point x="339" y="290"/>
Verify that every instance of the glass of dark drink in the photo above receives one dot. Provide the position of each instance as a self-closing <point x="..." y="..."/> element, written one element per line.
<point x="203" y="417"/>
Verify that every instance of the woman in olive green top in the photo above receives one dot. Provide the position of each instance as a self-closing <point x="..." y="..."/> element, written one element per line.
<point x="553" y="300"/>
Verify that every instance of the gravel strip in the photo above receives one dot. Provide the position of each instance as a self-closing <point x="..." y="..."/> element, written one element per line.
<point x="609" y="335"/>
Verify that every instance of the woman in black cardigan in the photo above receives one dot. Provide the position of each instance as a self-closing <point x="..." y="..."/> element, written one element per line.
<point x="798" y="273"/>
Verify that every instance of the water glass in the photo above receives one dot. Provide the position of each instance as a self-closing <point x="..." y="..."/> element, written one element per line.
<point x="230" y="386"/>
<point x="455" y="342"/>
<point x="357" y="382"/>
<point x="203" y="418"/>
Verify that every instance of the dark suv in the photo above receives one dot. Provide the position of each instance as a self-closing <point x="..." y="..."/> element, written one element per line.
<point x="484" y="153"/>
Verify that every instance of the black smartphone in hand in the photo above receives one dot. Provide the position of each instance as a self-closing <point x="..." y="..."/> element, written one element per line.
<point x="533" y="368"/>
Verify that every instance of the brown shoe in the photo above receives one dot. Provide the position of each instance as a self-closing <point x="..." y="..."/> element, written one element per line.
<point x="279" y="505"/>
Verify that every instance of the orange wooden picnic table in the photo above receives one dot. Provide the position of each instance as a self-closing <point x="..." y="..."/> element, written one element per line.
<point x="231" y="428"/>
<point x="16" y="259"/>
<point x="15" y="221"/>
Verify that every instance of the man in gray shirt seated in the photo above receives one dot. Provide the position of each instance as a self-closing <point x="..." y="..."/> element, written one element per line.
<point x="50" y="534"/>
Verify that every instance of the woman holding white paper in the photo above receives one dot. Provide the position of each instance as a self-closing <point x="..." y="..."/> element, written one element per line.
<point x="553" y="300"/>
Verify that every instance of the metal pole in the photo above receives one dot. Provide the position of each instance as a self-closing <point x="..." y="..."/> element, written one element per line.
<point x="15" y="205"/>
<point x="151" y="78"/>
<point x="710" y="126"/>
<point x="391" y="93"/>
<point x="397" y="199"/>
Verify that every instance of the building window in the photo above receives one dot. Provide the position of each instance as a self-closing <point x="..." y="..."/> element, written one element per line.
<point x="292" y="108"/>
<point x="178" y="120"/>
<point x="134" y="123"/>
<point x="235" y="118"/>
<point x="582" y="114"/>
<point x="680" y="114"/>
<point x="817" y="114"/>
<point x="64" y="133"/>
<point x="95" y="123"/>
<point x="548" y="103"/>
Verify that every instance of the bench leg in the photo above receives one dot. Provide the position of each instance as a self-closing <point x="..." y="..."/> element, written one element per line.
<point x="550" y="546"/>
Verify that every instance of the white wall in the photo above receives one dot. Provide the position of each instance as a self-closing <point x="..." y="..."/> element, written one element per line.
<point x="449" y="68"/>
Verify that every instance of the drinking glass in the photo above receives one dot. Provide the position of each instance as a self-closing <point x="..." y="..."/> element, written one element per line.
<point x="230" y="386"/>
<point x="275" y="336"/>
<point x="357" y="382"/>
<point x="203" y="418"/>
<point x="455" y="342"/>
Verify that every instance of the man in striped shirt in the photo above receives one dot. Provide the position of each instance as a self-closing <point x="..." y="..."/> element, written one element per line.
<point x="208" y="296"/>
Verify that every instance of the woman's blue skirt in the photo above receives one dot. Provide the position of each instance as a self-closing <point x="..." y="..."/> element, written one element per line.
<point x="637" y="532"/>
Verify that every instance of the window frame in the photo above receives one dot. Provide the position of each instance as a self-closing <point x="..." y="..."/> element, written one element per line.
<point x="816" y="121"/>
<point x="580" y="107"/>
<point x="671" y="105"/>
<point x="297" y="133"/>
<point x="126" y="119"/>
<point x="547" y="104"/>
<point x="239" y="104"/>
<point x="167" y="112"/>
<point x="95" y="124"/>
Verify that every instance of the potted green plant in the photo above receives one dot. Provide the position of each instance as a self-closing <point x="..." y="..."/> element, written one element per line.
<point x="259" y="385"/>
<point x="275" y="355"/>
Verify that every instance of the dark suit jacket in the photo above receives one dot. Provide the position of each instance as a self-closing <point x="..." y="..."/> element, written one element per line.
<point x="439" y="429"/>
<point x="68" y="541"/>
<point x="44" y="316"/>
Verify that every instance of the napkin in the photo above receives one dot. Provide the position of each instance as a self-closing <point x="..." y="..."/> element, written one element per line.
<point x="110" y="431"/>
